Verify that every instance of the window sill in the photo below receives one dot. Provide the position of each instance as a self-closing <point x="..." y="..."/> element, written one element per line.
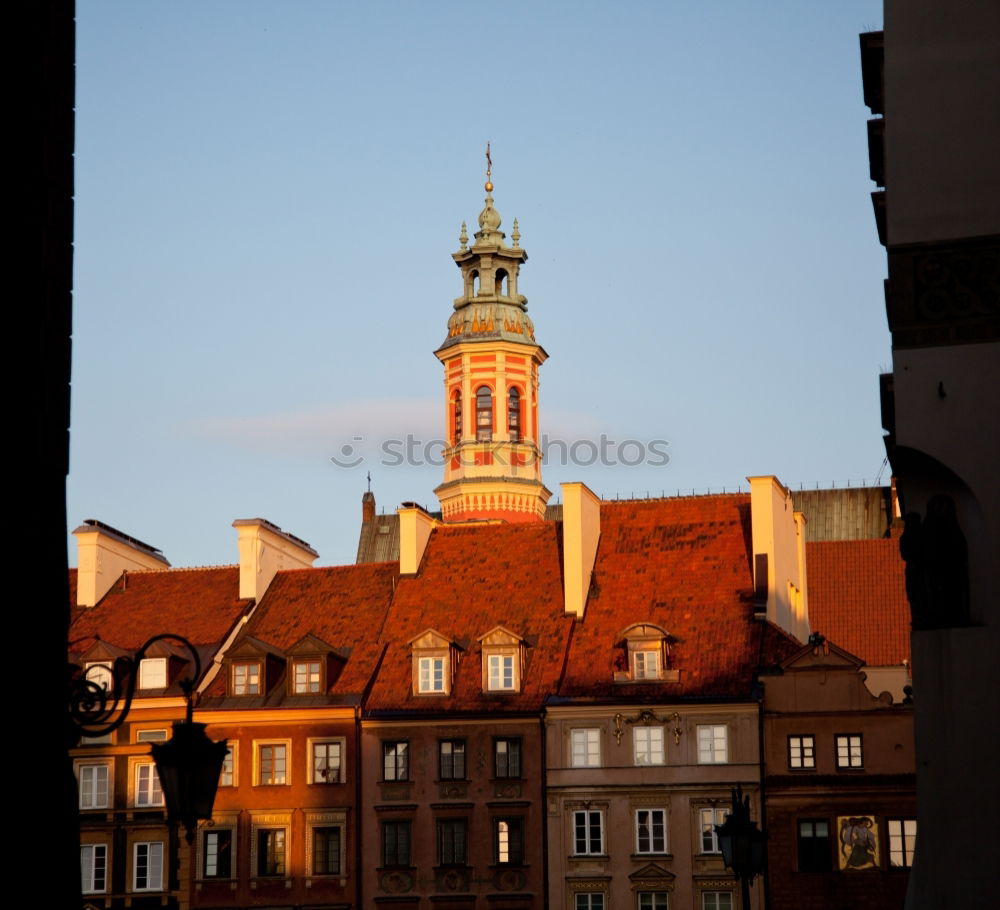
<point x="640" y="857"/>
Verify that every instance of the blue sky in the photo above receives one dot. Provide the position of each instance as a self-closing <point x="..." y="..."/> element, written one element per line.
<point x="268" y="194"/>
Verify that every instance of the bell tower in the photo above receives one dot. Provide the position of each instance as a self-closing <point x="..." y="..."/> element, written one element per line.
<point x="493" y="463"/>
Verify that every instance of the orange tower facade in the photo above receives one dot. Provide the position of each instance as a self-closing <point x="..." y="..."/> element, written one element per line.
<point x="491" y="360"/>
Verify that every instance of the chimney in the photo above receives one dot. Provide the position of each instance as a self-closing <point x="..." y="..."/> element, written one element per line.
<point x="368" y="507"/>
<point x="415" y="526"/>
<point x="266" y="550"/>
<point x="581" y="518"/>
<point x="103" y="554"/>
<point x="779" y="535"/>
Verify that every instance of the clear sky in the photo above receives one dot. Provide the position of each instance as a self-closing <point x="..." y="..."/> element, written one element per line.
<point x="268" y="194"/>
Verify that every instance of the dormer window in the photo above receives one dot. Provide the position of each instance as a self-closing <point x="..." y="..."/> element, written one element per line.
<point x="306" y="674"/>
<point x="153" y="673"/>
<point x="100" y="674"/>
<point x="503" y="661"/>
<point x="246" y="678"/>
<point x="646" y="652"/>
<point x="434" y="661"/>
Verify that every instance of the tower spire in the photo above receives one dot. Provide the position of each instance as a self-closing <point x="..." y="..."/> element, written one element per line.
<point x="491" y="360"/>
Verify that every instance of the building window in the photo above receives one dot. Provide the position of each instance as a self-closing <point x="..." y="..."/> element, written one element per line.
<point x="484" y="414"/>
<point x="246" y="678"/>
<point x="588" y="832"/>
<point x="508" y="841"/>
<point x="94" y="868"/>
<point x="712" y="744"/>
<point x="514" y="415"/>
<point x="452" y="753"/>
<point x="507" y="758"/>
<point x="902" y="840"/>
<point x="646" y="664"/>
<point x="395" y="761"/>
<point x="650" y="831"/>
<point x="585" y="748"/>
<point x="707" y="820"/>
<point x="217" y="853"/>
<point x="431" y="674"/>
<point x="326" y="851"/>
<point x="147" y="785"/>
<point x="94" y="786"/>
<point x="456" y="406"/>
<point x="153" y="673"/>
<point x="147" y="869"/>
<point x="272" y="764"/>
<point x="653" y="900"/>
<point x="589" y="901"/>
<point x="151" y="736"/>
<point x="501" y="673"/>
<point x="648" y="744"/>
<point x="307" y="676"/>
<point x="227" y="777"/>
<point x="453" y="837"/>
<point x="270" y="852"/>
<point x="100" y="673"/>
<point x="325" y="758"/>
<point x="849" y="753"/>
<point x="801" y="753"/>
<point x="814" y="845"/>
<point x="396" y="843"/>
<point x="717" y="900"/>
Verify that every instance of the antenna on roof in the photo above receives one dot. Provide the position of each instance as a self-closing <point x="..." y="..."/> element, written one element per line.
<point x="369" y="481"/>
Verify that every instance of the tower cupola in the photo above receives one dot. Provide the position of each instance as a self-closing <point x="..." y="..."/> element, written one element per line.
<point x="491" y="360"/>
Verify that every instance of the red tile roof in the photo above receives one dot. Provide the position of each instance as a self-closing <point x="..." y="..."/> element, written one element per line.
<point x="343" y="606"/>
<point x="472" y="579"/>
<point x="683" y="564"/>
<point x="857" y="598"/>
<point x="200" y="604"/>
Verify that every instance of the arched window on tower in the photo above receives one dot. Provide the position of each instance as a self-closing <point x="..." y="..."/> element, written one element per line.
<point x="514" y="415"/>
<point x="456" y="420"/>
<point x="474" y="276"/>
<point x="502" y="286"/>
<point x="484" y="414"/>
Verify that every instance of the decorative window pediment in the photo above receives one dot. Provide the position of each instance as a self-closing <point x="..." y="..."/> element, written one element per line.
<point x="503" y="660"/>
<point x="253" y="667"/>
<point x="435" y="659"/>
<point x="313" y="666"/>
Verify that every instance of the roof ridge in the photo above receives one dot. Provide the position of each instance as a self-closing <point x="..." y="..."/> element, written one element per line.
<point x="176" y="569"/>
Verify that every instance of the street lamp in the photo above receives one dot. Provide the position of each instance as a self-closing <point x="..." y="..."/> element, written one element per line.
<point x="741" y="843"/>
<point x="188" y="764"/>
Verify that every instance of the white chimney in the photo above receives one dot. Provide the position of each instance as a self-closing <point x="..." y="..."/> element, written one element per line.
<point x="103" y="554"/>
<point x="415" y="526"/>
<point x="264" y="551"/>
<point x="581" y="517"/>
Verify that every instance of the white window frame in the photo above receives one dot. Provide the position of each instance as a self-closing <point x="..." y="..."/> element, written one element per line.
<point x="92" y="856"/>
<point x="316" y="774"/>
<point x="849" y="751"/>
<point x="311" y="682"/>
<point x="653" y="900"/>
<point x="708" y="818"/>
<point x="147" y="793"/>
<point x="592" y="841"/>
<point x="229" y="766"/>
<point x="902" y="841"/>
<point x="713" y="744"/>
<point x="649" y="752"/>
<point x="153" y="861"/>
<point x="259" y="745"/>
<point x="453" y="748"/>
<point x="152" y="735"/>
<point x="431" y="676"/>
<point x="269" y="821"/>
<point x="802" y="752"/>
<point x="206" y="833"/>
<point x="713" y="900"/>
<point x="589" y="900"/>
<point x="646" y="663"/>
<point x="651" y="823"/>
<point x="153" y="673"/>
<point x="585" y="747"/>
<point x="100" y="672"/>
<point x="97" y="770"/>
<point x="501" y="673"/>
<point x="507" y="746"/>
<point x="325" y="819"/>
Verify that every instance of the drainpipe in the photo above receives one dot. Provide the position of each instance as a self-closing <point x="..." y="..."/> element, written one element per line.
<point x="544" y="810"/>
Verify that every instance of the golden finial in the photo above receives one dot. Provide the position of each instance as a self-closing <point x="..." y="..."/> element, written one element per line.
<point x="489" y="170"/>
